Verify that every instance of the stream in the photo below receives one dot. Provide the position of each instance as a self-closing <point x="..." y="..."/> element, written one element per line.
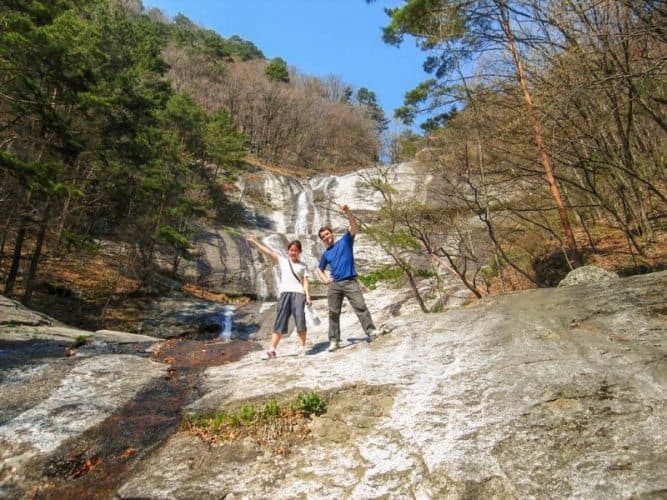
<point x="95" y="463"/>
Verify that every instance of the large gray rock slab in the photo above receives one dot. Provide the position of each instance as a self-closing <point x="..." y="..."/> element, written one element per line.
<point x="46" y="403"/>
<point x="13" y="313"/>
<point x="20" y="324"/>
<point x="549" y="393"/>
<point x="67" y="334"/>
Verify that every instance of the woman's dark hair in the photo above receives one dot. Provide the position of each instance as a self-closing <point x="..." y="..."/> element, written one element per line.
<point x="295" y="243"/>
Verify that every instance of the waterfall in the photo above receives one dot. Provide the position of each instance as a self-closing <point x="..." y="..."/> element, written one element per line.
<point x="321" y="194"/>
<point x="278" y="208"/>
<point x="301" y="223"/>
<point x="262" y="287"/>
<point x="226" y="323"/>
<point x="275" y="242"/>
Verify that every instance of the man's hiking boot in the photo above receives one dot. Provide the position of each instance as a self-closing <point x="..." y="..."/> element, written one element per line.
<point x="334" y="345"/>
<point x="269" y="355"/>
<point x="371" y="335"/>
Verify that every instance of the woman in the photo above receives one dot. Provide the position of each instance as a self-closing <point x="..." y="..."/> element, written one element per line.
<point x="294" y="294"/>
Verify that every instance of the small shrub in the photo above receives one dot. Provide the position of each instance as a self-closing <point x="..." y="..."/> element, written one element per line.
<point x="270" y="425"/>
<point x="247" y="414"/>
<point x="271" y="408"/>
<point x="385" y="273"/>
<point x="309" y="403"/>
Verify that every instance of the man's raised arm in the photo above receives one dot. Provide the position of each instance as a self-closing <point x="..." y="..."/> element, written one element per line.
<point x="350" y="219"/>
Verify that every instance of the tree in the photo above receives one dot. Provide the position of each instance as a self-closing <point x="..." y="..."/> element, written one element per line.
<point x="458" y="30"/>
<point x="49" y="56"/>
<point x="367" y="99"/>
<point x="277" y="71"/>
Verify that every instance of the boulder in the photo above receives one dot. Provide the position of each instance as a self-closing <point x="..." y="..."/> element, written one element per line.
<point x="587" y="274"/>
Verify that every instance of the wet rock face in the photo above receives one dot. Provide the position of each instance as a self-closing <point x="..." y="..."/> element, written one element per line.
<point x="549" y="393"/>
<point x="280" y="209"/>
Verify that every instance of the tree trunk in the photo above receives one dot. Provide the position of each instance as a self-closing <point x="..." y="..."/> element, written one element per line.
<point x="16" y="259"/>
<point x="452" y="268"/>
<point x="34" y="262"/>
<point x="5" y="233"/>
<point x="411" y="280"/>
<point x="539" y="141"/>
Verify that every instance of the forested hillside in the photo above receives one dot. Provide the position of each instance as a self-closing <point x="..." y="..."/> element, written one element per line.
<point x="546" y="131"/>
<point x="113" y="120"/>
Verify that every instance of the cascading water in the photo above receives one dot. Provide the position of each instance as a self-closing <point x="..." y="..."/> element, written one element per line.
<point x="276" y="243"/>
<point x="301" y="223"/>
<point x="227" y="315"/>
<point x="319" y="188"/>
<point x="262" y="287"/>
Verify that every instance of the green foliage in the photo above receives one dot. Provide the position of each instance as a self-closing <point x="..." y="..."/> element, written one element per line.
<point x="405" y="146"/>
<point x="309" y="403"/>
<point x="385" y="273"/>
<point x="402" y="238"/>
<point x="224" y="145"/>
<point x="271" y="408"/>
<point x="79" y="241"/>
<point x="171" y="236"/>
<point x="391" y="273"/>
<point x="247" y="414"/>
<point x="490" y="271"/>
<point x="183" y="32"/>
<point x="368" y="99"/>
<point x="243" y="48"/>
<point x="277" y="71"/>
<point x="306" y="403"/>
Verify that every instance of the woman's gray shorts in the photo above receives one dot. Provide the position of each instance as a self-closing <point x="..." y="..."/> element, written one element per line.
<point x="290" y="304"/>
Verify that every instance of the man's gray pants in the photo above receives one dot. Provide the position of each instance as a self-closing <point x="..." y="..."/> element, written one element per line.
<point x="350" y="289"/>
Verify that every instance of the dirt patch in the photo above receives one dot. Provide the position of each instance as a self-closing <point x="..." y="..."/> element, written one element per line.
<point x="349" y="411"/>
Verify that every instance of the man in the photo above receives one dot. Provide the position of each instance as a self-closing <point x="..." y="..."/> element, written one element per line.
<point x="342" y="280"/>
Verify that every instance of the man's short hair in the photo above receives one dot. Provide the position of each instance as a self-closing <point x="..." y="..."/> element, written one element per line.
<point x="322" y="229"/>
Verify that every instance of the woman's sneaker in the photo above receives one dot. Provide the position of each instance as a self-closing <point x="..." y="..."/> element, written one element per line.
<point x="269" y="355"/>
<point x="334" y="345"/>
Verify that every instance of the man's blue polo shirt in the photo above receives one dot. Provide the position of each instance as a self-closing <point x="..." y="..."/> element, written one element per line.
<point x="341" y="258"/>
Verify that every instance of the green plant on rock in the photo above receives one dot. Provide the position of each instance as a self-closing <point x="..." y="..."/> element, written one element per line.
<point x="309" y="403"/>
<point x="271" y="408"/>
<point x="270" y="424"/>
<point x="247" y="414"/>
<point x="385" y="273"/>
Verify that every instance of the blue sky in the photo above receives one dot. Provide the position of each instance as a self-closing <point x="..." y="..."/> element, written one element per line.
<point x="319" y="37"/>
